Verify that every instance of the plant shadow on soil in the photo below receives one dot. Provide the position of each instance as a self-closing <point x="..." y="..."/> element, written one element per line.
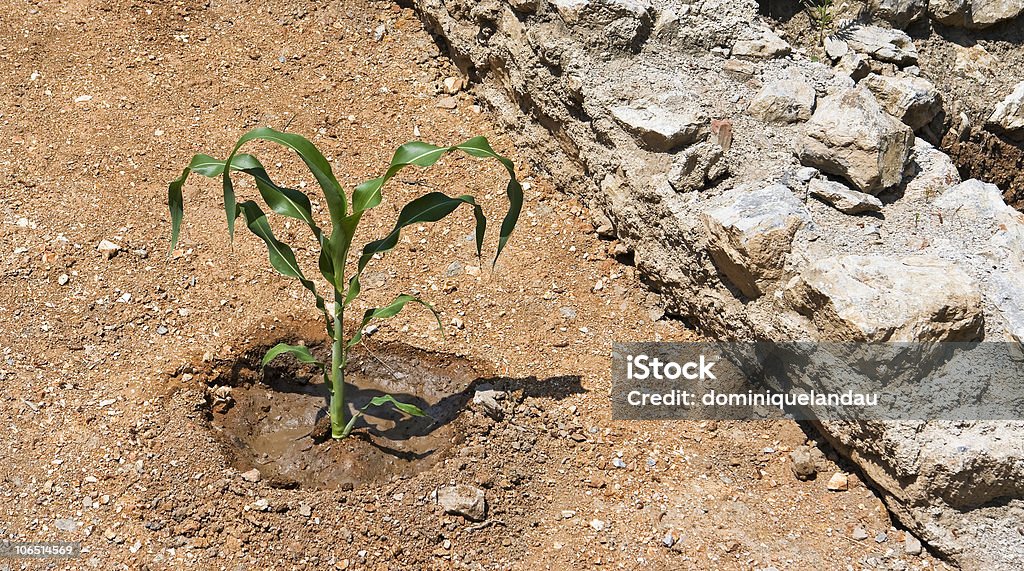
<point x="275" y="420"/>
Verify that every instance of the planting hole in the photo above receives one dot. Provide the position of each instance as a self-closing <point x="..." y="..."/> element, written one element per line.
<point x="276" y="421"/>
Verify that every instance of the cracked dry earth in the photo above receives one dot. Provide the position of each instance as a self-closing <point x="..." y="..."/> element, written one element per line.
<point x="112" y="369"/>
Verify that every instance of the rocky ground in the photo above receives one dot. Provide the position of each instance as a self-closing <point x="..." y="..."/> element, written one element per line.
<point x="111" y="355"/>
<point x="782" y="190"/>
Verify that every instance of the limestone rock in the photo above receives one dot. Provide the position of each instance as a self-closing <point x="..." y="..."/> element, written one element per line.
<point x="999" y="230"/>
<point x="850" y="136"/>
<point x="836" y="48"/>
<point x="768" y="45"/>
<point x="900" y="13"/>
<point x="854" y="65"/>
<point x="804" y="466"/>
<point x="913" y="100"/>
<point x="882" y="44"/>
<point x="463" y="500"/>
<point x="785" y="101"/>
<point x="1009" y="113"/>
<point x="843" y="198"/>
<point x="600" y="12"/>
<point x="751" y="234"/>
<point x="839" y="482"/>
<point x="935" y="172"/>
<point x="881" y="298"/>
<point x="974" y="14"/>
<point x="660" y="130"/>
<point x="618" y="22"/>
<point x="696" y="166"/>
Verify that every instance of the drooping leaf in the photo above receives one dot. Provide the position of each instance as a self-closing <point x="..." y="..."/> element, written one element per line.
<point x="433" y="206"/>
<point x="301" y="353"/>
<point x="388" y="311"/>
<point x="282" y="258"/>
<point x="367" y="195"/>
<point x="204" y="165"/>
<point x="310" y="155"/>
<point x="410" y="409"/>
<point x="479" y="147"/>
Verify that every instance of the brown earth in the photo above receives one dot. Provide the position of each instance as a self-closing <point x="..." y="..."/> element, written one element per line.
<point x="110" y="367"/>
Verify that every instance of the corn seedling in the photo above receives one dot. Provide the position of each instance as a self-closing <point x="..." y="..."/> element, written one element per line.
<point x="335" y="245"/>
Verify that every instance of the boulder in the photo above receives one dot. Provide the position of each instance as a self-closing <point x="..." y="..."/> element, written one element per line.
<point x="1008" y="116"/>
<point x="974" y="14"/>
<point x="913" y="100"/>
<point x="999" y="231"/>
<point x="854" y="65"/>
<point x="696" y="166"/>
<point x="843" y="198"/>
<point x="882" y="298"/>
<point x="751" y="234"/>
<point x="615" y="22"/>
<point x="882" y="44"/>
<point x="661" y="130"/>
<point x="850" y="136"/>
<point x="785" y="101"/>
<point x="767" y="45"/>
<point x="900" y="13"/>
<point x="599" y="13"/>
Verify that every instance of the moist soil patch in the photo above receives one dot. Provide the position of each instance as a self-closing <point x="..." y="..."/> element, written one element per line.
<point x="276" y="420"/>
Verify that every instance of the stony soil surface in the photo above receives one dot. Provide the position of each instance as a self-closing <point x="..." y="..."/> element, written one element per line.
<point x="107" y="364"/>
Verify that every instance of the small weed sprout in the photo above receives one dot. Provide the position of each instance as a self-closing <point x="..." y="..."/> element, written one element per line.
<point x="335" y="245"/>
<point x="822" y="16"/>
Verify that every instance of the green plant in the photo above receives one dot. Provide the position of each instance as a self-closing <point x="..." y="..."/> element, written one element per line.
<point x="345" y="215"/>
<point x="822" y="16"/>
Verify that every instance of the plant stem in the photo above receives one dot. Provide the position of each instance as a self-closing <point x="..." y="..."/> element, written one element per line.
<point x="339" y="428"/>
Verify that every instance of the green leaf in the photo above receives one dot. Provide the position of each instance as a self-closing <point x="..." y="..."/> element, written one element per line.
<point x="433" y="206"/>
<point x="411" y="410"/>
<point x="309" y="154"/>
<point x="204" y="165"/>
<point x="301" y="353"/>
<point x="282" y="258"/>
<point x="391" y="310"/>
<point x="367" y="195"/>
<point x="430" y="207"/>
<point x="479" y="147"/>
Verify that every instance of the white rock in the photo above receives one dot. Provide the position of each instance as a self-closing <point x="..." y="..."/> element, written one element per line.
<point x="696" y="166"/>
<point x="785" y="101"/>
<point x="843" y="198"/>
<point x="597" y="525"/>
<point x="913" y="100"/>
<point x="251" y="475"/>
<point x="854" y="65"/>
<point x="839" y="482"/>
<point x="768" y="45"/>
<point x="899" y="13"/>
<point x="911" y="544"/>
<point x="882" y="44"/>
<point x="1009" y="113"/>
<point x="881" y="298"/>
<point x="751" y="233"/>
<point x="108" y="248"/>
<point x="658" y="129"/>
<point x="850" y="136"/>
<point x="974" y="14"/>
<point x="463" y="500"/>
